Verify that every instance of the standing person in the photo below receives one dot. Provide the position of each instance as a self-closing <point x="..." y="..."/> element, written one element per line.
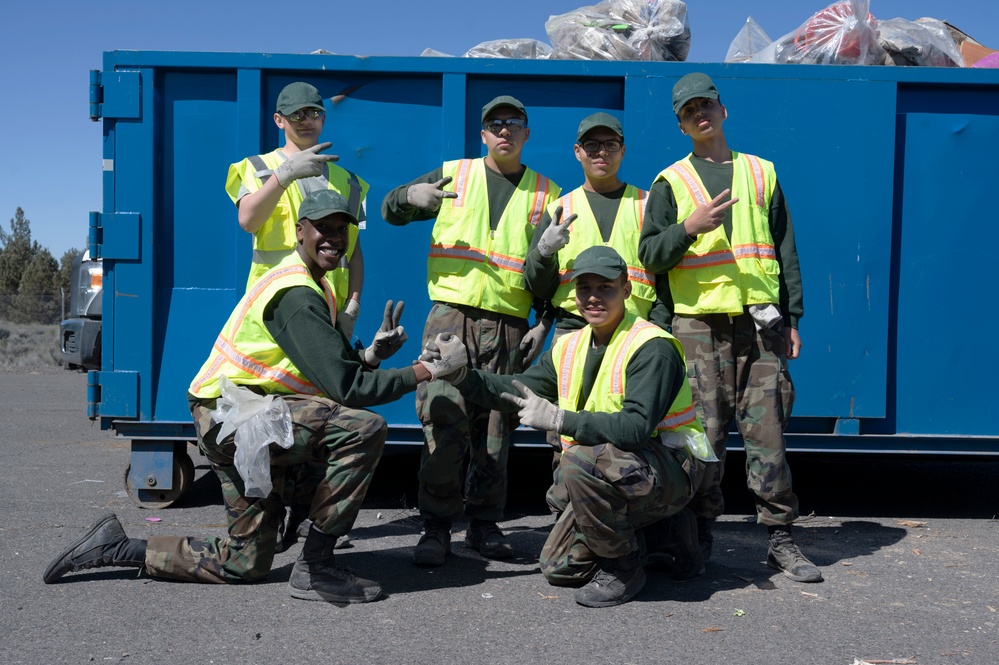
<point x="283" y="339"/>
<point x="268" y="189"/>
<point x="718" y="223"/>
<point x="616" y="393"/>
<point x="486" y="211"/>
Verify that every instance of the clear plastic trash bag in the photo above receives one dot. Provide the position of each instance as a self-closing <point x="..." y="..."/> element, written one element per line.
<point x="258" y="421"/>
<point x="650" y="30"/>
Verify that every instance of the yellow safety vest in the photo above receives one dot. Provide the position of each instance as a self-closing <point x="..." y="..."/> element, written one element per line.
<point x="585" y="232"/>
<point x="246" y="352"/>
<point x="679" y="426"/>
<point x="276" y="238"/>
<point x="469" y="264"/>
<point x="717" y="276"/>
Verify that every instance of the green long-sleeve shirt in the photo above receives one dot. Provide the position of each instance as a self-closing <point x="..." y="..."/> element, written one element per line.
<point x="655" y="373"/>
<point x="664" y="241"/>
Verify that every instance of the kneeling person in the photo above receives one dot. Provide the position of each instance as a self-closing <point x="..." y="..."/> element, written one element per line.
<point x="617" y="394"/>
<point x="282" y="339"/>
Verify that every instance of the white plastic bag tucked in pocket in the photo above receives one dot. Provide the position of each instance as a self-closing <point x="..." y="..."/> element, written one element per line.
<point x="258" y="421"/>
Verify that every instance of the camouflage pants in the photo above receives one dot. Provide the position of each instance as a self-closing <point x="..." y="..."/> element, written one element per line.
<point x="739" y="373"/>
<point x="344" y="443"/>
<point x="453" y="428"/>
<point x="612" y="494"/>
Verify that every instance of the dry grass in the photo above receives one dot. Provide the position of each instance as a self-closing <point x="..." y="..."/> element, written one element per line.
<point x="29" y="346"/>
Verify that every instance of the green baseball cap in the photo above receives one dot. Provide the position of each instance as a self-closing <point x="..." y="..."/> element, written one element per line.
<point x="692" y="86"/>
<point x="601" y="119"/>
<point x="599" y="260"/>
<point x="298" y="95"/>
<point x="323" y="203"/>
<point x="503" y="100"/>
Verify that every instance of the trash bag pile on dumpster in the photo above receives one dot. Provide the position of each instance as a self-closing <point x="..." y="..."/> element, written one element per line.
<point x="845" y="32"/>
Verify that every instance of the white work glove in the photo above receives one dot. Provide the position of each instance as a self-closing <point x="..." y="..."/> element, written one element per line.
<point x="534" y="340"/>
<point x="556" y="236"/>
<point x="445" y="358"/>
<point x="535" y="411"/>
<point x="389" y="337"/>
<point x="428" y="196"/>
<point x="348" y="317"/>
<point x="305" y="164"/>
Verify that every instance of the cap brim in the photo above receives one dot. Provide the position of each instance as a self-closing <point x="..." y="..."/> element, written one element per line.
<point x="605" y="272"/>
<point x="683" y="100"/>
<point x="322" y="214"/>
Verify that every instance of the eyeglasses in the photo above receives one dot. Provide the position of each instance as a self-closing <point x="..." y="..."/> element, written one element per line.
<point x="311" y="114"/>
<point x="496" y="125"/>
<point x="595" y="146"/>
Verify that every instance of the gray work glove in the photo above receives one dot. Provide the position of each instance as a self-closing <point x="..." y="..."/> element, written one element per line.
<point x="556" y="236"/>
<point x="765" y="316"/>
<point x="348" y="317"/>
<point x="305" y="164"/>
<point x="534" y="341"/>
<point x="535" y="411"/>
<point x="389" y="337"/>
<point x="445" y="357"/>
<point x="428" y="196"/>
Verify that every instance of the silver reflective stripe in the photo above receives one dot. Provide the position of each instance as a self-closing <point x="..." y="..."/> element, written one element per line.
<point x="263" y="171"/>
<point x="354" y="198"/>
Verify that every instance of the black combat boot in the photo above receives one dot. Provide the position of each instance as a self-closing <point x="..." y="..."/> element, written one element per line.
<point x="617" y="581"/>
<point x="434" y="544"/>
<point x="104" y="544"/>
<point x="675" y="537"/>
<point x="785" y="556"/>
<point x="688" y="559"/>
<point x="317" y="577"/>
<point x="486" y="538"/>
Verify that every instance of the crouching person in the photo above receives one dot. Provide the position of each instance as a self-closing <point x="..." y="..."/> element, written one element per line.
<point x="616" y="392"/>
<point x="282" y="339"/>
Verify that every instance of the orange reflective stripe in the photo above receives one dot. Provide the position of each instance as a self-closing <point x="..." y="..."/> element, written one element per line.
<point x="758" y="184"/>
<point x="641" y="275"/>
<point x="690" y="181"/>
<point x="260" y="370"/>
<point x="200" y="381"/>
<point x="643" y="197"/>
<point x="678" y="419"/>
<point x="511" y="263"/>
<point x="566" y="364"/>
<point x="541" y="187"/>
<point x="617" y="373"/>
<point x="752" y="250"/>
<point x="459" y="182"/>
<point x="694" y="261"/>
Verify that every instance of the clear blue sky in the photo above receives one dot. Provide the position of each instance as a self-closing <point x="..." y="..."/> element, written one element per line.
<point x="52" y="167"/>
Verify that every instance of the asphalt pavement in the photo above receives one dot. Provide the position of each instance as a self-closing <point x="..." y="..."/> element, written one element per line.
<point x="908" y="548"/>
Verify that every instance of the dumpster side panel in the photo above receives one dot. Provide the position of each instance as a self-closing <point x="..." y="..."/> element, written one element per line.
<point x="946" y="303"/>
<point x="873" y="161"/>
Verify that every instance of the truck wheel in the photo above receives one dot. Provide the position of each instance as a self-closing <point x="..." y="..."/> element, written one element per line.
<point x="153" y="499"/>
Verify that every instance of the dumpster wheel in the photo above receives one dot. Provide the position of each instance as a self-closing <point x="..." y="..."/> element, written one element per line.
<point x="183" y="478"/>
